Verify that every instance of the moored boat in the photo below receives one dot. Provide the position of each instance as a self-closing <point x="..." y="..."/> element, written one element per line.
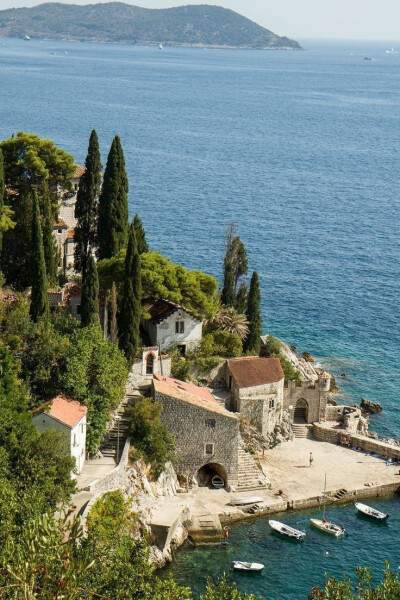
<point x="248" y="567"/>
<point x="287" y="530"/>
<point x="328" y="527"/>
<point x="371" y="512"/>
<point x="243" y="500"/>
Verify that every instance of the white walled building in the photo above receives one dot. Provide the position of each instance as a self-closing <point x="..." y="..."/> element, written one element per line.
<point x="69" y="417"/>
<point x="171" y="325"/>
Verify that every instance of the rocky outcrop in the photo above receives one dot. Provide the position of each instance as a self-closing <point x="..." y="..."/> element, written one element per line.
<point x="299" y="363"/>
<point x="255" y="442"/>
<point x="369" y="407"/>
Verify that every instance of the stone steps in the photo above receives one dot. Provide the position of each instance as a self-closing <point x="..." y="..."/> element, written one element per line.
<point x="302" y="431"/>
<point x="109" y="445"/>
<point x="250" y="477"/>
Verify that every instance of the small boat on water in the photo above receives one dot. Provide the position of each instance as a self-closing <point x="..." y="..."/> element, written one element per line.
<point x="248" y="567"/>
<point x="367" y="57"/>
<point x="371" y="512"/>
<point x="286" y="530"/>
<point x="27" y="38"/>
<point x="160" y="47"/>
<point x="244" y="500"/>
<point x="328" y="527"/>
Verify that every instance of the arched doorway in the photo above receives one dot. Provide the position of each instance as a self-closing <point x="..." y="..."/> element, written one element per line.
<point x="149" y="364"/>
<point x="206" y="474"/>
<point x="301" y="412"/>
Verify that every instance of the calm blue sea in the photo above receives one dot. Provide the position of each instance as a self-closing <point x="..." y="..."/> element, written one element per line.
<point x="301" y="150"/>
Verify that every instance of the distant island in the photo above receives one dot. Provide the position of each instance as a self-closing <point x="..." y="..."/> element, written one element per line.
<point x="201" y="26"/>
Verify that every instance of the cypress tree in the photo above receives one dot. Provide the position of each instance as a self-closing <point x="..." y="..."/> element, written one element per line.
<point x="86" y="208"/>
<point x="112" y="232"/>
<point x="114" y="310"/>
<point x="140" y="235"/>
<point x="90" y="295"/>
<point x="39" y="298"/>
<point x="130" y="309"/>
<point x="49" y="241"/>
<point x="252" y="342"/>
<point x="228" y="290"/>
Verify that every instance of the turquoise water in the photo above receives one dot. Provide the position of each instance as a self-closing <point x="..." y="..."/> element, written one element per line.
<point x="302" y="151"/>
<point x="292" y="567"/>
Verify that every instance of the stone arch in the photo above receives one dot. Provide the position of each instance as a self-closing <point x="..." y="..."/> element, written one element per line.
<point x="205" y="474"/>
<point x="300" y="414"/>
<point x="150" y="359"/>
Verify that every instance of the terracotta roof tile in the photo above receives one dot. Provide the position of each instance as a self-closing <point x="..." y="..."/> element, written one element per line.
<point x="64" y="409"/>
<point x="79" y="171"/>
<point x="70" y="234"/>
<point x="251" y="371"/>
<point x="60" y="224"/>
<point x="188" y="392"/>
<point x="162" y="309"/>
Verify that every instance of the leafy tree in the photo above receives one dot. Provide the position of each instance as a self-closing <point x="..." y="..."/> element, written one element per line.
<point x="39" y="298"/>
<point x="131" y="308"/>
<point x="271" y="346"/>
<point x="49" y="243"/>
<point x="86" y="208"/>
<point x="149" y="435"/>
<point x="335" y="589"/>
<point x="223" y="590"/>
<point x="252" y="342"/>
<point x="140" y="235"/>
<point x="227" y="319"/>
<point x="90" y="295"/>
<point x="220" y="343"/>
<point x="228" y="290"/>
<point x="113" y="204"/>
<point x="17" y="242"/>
<point x="114" y="310"/>
<point x="163" y="279"/>
<point x="6" y="213"/>
<point x="235" y="266"/>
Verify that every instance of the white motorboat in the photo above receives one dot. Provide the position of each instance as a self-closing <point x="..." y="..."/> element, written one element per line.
<point x="245" y="500"/>
<point x="392" y="51"/>
<point x="248" y="567"/>
<point x="27" y="38"/>
<point x="328" y="527"/>
<point x="160" y="47"/>
<point x="325" y="525"/>
<point x="286" y="530"/>
<point x="218" y="482"/>
<point x="371" y="512"/>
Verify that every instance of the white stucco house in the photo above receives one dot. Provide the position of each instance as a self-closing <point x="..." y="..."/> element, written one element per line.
<point x="172" y="325"/>
<point x="257" y="386"/>
<point x="69" y="417"/>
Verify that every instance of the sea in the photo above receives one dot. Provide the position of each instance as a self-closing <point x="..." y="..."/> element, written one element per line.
<point x="301" y="151"/>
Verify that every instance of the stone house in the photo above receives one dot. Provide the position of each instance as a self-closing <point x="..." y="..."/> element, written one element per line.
<point x="69" y="417"/>
<point x="172" y="325"/>
<point x="68" y="297"/>
<point x="207" y="435"/>
<point x="257" y="388"/>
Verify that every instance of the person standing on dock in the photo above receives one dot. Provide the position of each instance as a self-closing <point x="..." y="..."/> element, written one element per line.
<point x="311" y="459"/>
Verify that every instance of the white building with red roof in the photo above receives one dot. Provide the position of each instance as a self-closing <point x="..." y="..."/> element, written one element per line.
<point x="68" y="417"/>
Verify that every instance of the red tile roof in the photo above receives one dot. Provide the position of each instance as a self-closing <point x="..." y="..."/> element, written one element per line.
<point x="70" y="234"/>
<point x="60" y="224"/>
<point x="251" y="371"/>
<point x="162" y="309"/>
<point x="188" y="392"/>
<point x="79" y="171"/>
<point x="64" y="409"/>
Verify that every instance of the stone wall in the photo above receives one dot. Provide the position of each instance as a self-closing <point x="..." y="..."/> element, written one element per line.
<point x="326" y="434"/>
<point x="117" y="478"/>
<point x="193" y="428"/>
<point x="261" y="405"/>
<point x="315" y="398"/>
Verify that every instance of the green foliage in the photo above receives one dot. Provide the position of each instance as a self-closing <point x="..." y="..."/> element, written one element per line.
<point x="290" y="373"/>
<point x="180" y="367"/>
<point x="113" y="204"/>
<point x="223" y="590"/>
<point x="86" y="207"/>
<point x="140" y="235"/>
<point x="17" y="242"/>
<point x="252" y="342"/>
<point x="95" y="374"/>
<point x="149" y="435"/>
<point x="163" y="279"/>
<point x="221" y="343"/>
<point x="335" y="589"/>
<point x="271" y="347"/>
<point x="90" y="295"/>
<point x="39" y="297"/>
<point x="110" y="511"/>
<point x="130" y="308"/>
<point x="50" y="249"/>
<point x="228" y="290"/>
<point x="235" y="266"/>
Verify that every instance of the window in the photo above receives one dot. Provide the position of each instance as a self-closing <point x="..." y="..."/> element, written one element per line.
<point x="230" y="382"/>
<point x="272" y="403"/>
<point x="78" y="309"/>
<point x="60" y="231"/>
<point x="180" y="327"/>
<point x="209" y="449"/>
<point x="210" y="423"/>
<point x="74" y="439"/>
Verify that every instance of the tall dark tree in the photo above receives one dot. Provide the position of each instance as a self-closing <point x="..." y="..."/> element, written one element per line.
<point x="114" y="312"/>
<point x="2" y="193"/>
<point x="17" y="243"/>
<point x="253" y="313"/>
<point x="86" y="208"/>
<point x="228" y="290"/>
<point x="90" y="295"/>
<point x="39" y="297"/>
<point x="130" y="308"/>
<point x="112" y="232"/>
<point x="140" y="235"/>
<point x="49" y="241"/>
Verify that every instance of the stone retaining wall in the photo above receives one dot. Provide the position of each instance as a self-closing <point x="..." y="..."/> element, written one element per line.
<point x="367" y="444"/>
<point x="117" y="478"/>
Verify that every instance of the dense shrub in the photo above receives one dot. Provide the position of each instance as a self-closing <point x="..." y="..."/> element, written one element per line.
<point x="270" y="347"/>
<point x="149" y="435"/>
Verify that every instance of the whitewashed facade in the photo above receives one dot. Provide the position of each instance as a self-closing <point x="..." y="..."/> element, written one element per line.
<point x="172" y="325"/>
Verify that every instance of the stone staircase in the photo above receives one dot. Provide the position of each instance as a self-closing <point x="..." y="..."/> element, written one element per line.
<point x="302" y="431"/>
<point x="250" y="477"/>
<point x="109" y="446"/>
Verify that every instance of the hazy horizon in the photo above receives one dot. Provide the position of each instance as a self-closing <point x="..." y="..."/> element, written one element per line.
<point x="312" y="19"/>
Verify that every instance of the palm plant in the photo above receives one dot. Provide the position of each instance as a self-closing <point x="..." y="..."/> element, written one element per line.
<point x="227" y="319"/>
